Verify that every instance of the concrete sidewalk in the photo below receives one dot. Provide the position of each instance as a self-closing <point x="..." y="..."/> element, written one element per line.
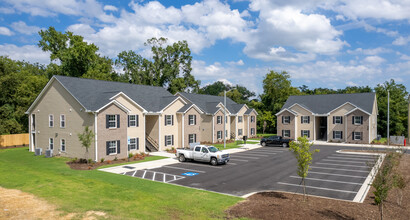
<point x="360" y="145"/>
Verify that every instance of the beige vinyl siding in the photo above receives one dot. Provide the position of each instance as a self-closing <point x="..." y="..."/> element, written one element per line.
<point x="341" y="111"/>
<point x="192" y="129"/>
<point x="242" y="125"/>
<point x="56" y="101"/>
<point x="219" y="127"/>
<point x="364" y="128"/>
<point x="138" y="131"/>
<point x="171" y="129"/>
<point x="252" y="124"/>
<point x="290" y="126"/>
<point x="206" y="128"/>
<point x="303" y="126"/>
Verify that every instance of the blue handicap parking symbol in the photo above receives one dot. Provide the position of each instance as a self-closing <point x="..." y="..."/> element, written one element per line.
<point x="190" y="174"/>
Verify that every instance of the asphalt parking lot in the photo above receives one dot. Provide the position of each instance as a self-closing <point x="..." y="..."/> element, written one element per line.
<point x="333" y="175"/>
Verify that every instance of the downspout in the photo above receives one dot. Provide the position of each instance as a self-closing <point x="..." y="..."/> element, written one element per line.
<point x="30" y="118"/>
<point x="247" y="117"/>
<point x="96" y="136"/>
<point x="236" y="127"/>
<point x="213" y="129"/>
<point x="145" y="134"/>
<point x="183" y="131"/>
<point x="314" y="128"/>
<point x="159" y="132"/>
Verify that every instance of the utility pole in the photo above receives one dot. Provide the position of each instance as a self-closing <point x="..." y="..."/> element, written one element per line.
<point x="224" y="133"/>
<point x="388" y="117"/>
<point x="408" y="119"/>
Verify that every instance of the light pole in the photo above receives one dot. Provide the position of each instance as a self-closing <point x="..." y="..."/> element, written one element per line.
<point x="388" y="117"/>
<point x="224" y="119"/>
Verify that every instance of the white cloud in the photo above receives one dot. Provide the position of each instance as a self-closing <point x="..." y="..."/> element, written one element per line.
<point x="81" y="29"/>
<point x="5" y="31"/>
<point x="400" y="41"/>
<point x="235" y="63"/>
<point x="375" y="60"/>
<point x="6" y="10"/>
<point x="23" y="28"/>
<point x="110" y="8"/>
<point x="29" y="53"/>
<point x="370" y="51"/>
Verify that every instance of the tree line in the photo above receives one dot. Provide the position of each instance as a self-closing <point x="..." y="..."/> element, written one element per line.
<point x="169" y="67"/>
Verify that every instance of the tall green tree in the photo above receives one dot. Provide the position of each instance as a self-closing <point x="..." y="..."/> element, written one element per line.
<point x="398" y="108"/>
<point x="20" y="83"/>
<point x="72" y="56"/>
<point x="170" y="66"/>
<point x="215" y="88"/>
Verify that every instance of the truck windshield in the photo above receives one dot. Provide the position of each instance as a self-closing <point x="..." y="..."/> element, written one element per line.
<point x="213" y="149"/>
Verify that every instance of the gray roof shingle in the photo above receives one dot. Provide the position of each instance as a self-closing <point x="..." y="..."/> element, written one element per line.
<point x="94" y="94"/>
<point x="208" y="103"/>
<point x="322" y="104"/>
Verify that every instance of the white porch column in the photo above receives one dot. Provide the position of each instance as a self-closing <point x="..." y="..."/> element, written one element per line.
<point x="314" y="128"/>
<point x="159" y="133"/>
<point x="183" y="131"/>
<point x="96" y="137"/>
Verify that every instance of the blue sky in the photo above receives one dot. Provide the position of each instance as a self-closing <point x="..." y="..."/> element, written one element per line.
<point x="321" y="43"/>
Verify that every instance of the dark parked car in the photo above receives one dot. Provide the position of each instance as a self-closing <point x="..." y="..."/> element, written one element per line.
<point x="275" y="140"/>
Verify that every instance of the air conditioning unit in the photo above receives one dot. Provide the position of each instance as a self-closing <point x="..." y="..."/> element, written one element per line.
<point x="38" y="151"/>
<point x="49" y="153"/>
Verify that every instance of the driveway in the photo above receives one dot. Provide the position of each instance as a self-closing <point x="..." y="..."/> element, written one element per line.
<point x="333" y="174"/>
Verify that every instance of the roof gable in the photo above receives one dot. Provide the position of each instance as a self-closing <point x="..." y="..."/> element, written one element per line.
<point x="208" y="103"/>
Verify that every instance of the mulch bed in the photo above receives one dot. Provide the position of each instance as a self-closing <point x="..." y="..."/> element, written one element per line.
<point x="277" y="205"/>
<point x="79" y="165"/>
<point x="16" y="146"/>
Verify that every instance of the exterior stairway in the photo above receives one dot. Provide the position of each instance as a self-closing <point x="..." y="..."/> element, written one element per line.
<point x="150" y="144"/>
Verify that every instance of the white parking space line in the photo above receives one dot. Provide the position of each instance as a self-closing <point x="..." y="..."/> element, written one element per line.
<point x="164" y="178"/>
<point x="350" y="158"/>
<point x="202" y="165"/>
<point x="134" y="173"/>
<point x="333" y="181"/>
<point x="144" y="174"/>
<point x="232" y="163"/>
<point x="327" y="168"/>
<point x="180" y="168"/>
<point x="321" y="188"/>
<point x="254" y="154"/>
<point x="342" y="165"/>
<point x="351" y="155"/>
<point x="245" y="157"/>
<point x="239" y="160"/>
<point x="153" y="176"/>
<point x="360" y="162"/>
<point x="332" y="174"/>
<point x="274" y="151"/>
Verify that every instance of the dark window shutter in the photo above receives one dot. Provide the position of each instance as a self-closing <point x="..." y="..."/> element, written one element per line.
<point x="283" y="120"/>
<point x="165" y="140"/>
<point x="118" y="121"/>
<point x="129" y="147"/>
<point x="118" y="147"/>
<point x="341" y="119"/>
<point x="308" y="119"/>
<point x="334" y="120"/>
<point x="107" y="144"/>
<point x="172" y="119"/>
<point x="361" y="135"/>
<point x="352" y="120"/>
<point x="283" y="131"/>
<point x="195" y="138"/>
<point x="341" y="134"/>
<point x="128" y="121"/>
<point x="165" y="120"/>
<point x="195" y="121"/>
<point x="106" y="121"/>
<point x="353" y="135"/>
<point x="333" y="134"/>
<point x="308" y="133"/>
<point x="138" y="121"/>
<point x="172" y="139"/>
<point x="361" y="120"/>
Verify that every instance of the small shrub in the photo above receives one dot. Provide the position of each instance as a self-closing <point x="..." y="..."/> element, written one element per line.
<point x="24" y="145"/>
<point x="130" y="155"/>
<point x="115" y="159"/>
<point x="90" y="160"/>
<point x="108" y="161"/>
<point x="89" y="167"/>
<point x="102" y="160"/>
<point x="74" y="160"/>
<point x="135" y="156"/>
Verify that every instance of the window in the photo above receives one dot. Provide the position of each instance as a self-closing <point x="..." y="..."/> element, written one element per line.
<point x="357" y="135"/>
<point x="240" y="132"/>
<point x="285" y="119"/>
<point x="192" y="138"/>
<point x="133" y="145"/>
<point x="62" y="145"/>
<point x="169" y="140"/>
<point x="51" y="121"/>
<point x="357" y="120"/>
<point x="111" y="147"/>
<point x="204" y="150"/>
<point x="112" y="121"/>
<point x="219" y="135"/>
<point x="219" y="119"/>
<point x="252" y="131"/>
<point x="226" y="119"/>
<point x="226" y="133"/>
<point x="197" y="149"/>
<point x="337" y="120"/>
<point x="132" y="120"/>
<point x="305" y="119"/>
<point x="305" y="133"/>
<point x="62" y="121"/>
<point x="169" y="120"/>
<point x="285" y="133"/>
<point x="337" y="134"/>
<point x="192" y="119"/>
<point x="252" y="118"/>
<point x="240" y="119"/>
<point x="51" y="144"/>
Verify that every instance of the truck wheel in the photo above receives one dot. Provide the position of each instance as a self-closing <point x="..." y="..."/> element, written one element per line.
<point x="263" y="144"/>
<point x="214" y="162"/>
<point x="181" y="158"/>
<point x="284" y="145"/>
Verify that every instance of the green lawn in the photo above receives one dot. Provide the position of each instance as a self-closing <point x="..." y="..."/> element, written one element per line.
<point x="381" y="141"/>
<point x="228" y="146"/>
<point x="121" y="197"/>
<point x="261" y="135"/>
<point x="146" y="159"/>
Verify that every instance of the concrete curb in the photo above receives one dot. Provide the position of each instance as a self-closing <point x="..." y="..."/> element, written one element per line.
<point x="359" y="145"/>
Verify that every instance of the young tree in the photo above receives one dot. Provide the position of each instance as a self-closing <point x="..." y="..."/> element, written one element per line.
<point x="86" y="138"/>
<point x="304" y="156"/>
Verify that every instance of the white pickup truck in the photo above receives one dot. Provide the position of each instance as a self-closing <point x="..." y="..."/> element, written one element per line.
<point x="203" y="153"/>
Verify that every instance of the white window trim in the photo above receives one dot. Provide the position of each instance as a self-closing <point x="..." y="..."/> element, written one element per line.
<point x="252" y="118"/>
<point x="110" y="121"/>
<point x="240" y="132"/>
<point x="135" y="143"/>
<point x="338" y="118"/>
<point x="340" y="135"/>
<point x="61" y="145"/>
<point x="193" y="136"/>
<point x="189" y="120"/>
<point x="354" y="118"/>
<point x="306" y="133"/>
<point x="61" y="121"/>
<point x="252" y="131"/>
<point x="240" y="119"/>
<point x="135" y="120"/>
<point x="169" y="139"/>
<point x="285" y="122"/>
<point x="49" y="143"/>
<point x="219" y="135"/>
<point x="168" y="120"/>
<point x="303" y="119"/>
<point x="354" y="136"/>
<point x="115" y="146"/>
<point x="219" y="119"/>
<point x="284" y="133"/>
<point x="51" y="119"/>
